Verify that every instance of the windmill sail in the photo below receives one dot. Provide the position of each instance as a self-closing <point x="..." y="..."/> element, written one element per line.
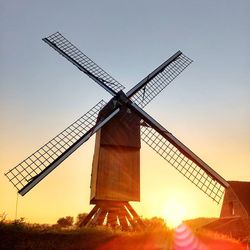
<point x="184" y="164"/>
<point x="35" y="167"/>
<point x="38" y="165"/>
<point x="148" y="88"/>
<point x="85" y="64"/>
<point x="181" y="157"/>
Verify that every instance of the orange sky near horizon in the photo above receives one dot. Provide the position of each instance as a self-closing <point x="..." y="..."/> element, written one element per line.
<point x="207" y="107"/>
<point x="67" y="188"/>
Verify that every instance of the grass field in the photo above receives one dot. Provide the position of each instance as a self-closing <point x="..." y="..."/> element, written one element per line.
<point x="22" y="235"/>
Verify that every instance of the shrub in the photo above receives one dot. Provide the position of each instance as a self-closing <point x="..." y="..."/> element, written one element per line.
<point x="155" y="224"/>
<point x="65" y="221"/>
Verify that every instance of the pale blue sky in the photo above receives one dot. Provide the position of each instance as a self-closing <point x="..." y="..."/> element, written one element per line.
<point x="207" y="107"/>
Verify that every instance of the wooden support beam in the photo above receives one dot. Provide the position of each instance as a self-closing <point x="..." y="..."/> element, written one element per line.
<point x="89" y="216"/>
<point x="135" y="215"/>
<point x="117" y="213"/>
<point x="102" y="216"/>
<point x="122" y="219"/>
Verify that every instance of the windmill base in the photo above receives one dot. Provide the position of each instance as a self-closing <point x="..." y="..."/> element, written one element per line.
<point x="114" y="214"/>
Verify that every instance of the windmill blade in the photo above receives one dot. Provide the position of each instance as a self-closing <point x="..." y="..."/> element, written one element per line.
<point x="181" y="157"/>
<point x="83" y="63"/>
<point x="148" y="88"/>
<point x="204" y="180"/>
<point x="38" y="165"/>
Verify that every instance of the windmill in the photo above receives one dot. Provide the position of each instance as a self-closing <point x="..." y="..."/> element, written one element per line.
<point x="120" y="125"/>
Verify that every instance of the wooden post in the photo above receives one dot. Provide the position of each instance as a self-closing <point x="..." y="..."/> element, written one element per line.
<point x="116" y="212"/>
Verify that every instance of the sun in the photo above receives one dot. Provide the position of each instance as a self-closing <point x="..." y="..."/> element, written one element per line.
<point x="174" y="213"/>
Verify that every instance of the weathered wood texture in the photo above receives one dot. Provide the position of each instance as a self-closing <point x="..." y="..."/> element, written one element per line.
<point x="122" y="130"/>
<point x="115" y="174"/>
<point x="116" y="162"/>
<point x="236" y="201"/>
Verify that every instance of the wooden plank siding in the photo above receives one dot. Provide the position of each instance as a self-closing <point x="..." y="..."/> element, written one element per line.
<point x="116" y="162"/>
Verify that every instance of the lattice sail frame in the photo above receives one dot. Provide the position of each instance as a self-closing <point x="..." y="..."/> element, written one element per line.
<point x="161" y="81"/>
<point x="180" y="162"/>
<point x="74" y="55"/>
<point x="42" y="159"/>
<point x="33" y="165"/>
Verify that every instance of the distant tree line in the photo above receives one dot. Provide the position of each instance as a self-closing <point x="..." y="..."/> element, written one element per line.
<point x="68" y="221"/>
<point x="154" y="223"/>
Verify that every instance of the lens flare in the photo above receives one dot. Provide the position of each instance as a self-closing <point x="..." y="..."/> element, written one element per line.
<point x="184" y="239"/>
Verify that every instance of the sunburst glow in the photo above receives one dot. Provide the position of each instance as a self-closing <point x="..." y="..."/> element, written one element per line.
<point x="174" y="213"/>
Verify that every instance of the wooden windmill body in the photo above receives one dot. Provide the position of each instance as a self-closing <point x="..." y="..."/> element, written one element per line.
<point x="115" y="178"/>
<point x="120" y="126"/>
<point x="116" y="162"/>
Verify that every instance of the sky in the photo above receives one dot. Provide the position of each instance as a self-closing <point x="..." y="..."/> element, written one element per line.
<point x="207" y="107"/>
